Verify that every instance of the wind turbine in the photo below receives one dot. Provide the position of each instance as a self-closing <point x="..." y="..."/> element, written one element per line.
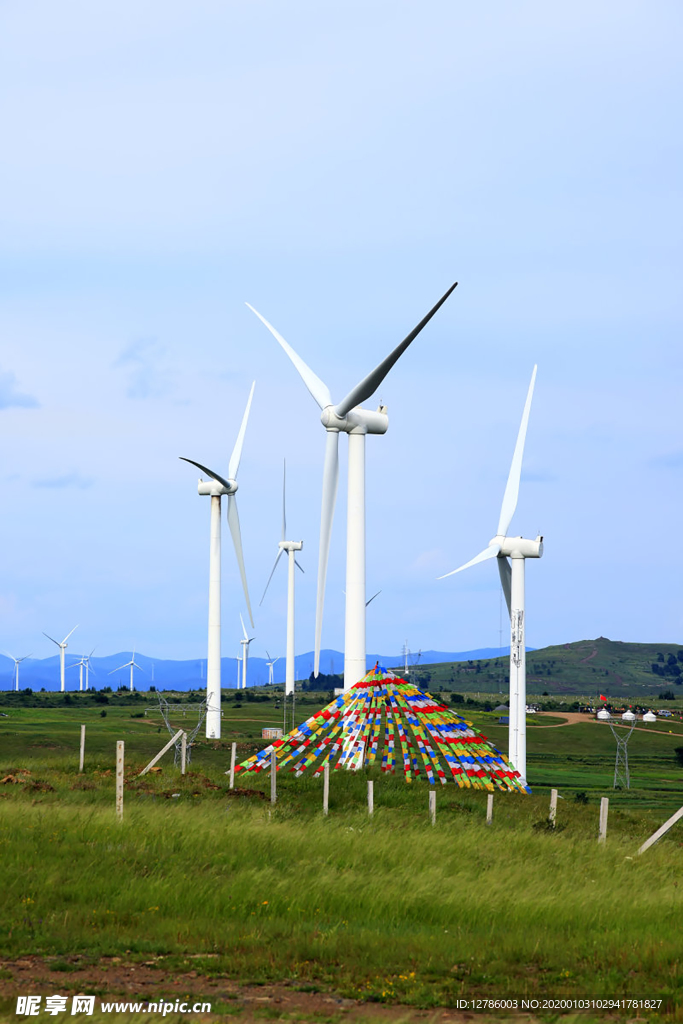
<point x="349" y="418"/>
<point x="290" y="546"/>
<point x="216" y="487"/>
<point x="271" y="674"/>
<point x="17" y="663"/>
<point x="79" y="664"/>
<point x="62" y="648"/>
<point x="87" y="668"/>
<point x="245" y="653"/>
<point x="132" y="664"/>
<point x="516" y="549"/>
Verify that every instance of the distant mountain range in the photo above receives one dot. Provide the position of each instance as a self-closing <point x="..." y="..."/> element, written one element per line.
<point x="191" y="675"/>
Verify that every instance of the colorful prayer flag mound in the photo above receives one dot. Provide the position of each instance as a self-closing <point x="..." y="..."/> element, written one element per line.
<point x="387" y="722"/>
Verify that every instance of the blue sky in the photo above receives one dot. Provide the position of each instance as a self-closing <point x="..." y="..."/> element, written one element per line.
<point x="338" y="165"/>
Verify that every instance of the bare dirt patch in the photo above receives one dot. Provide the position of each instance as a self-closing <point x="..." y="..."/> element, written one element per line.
<point x="115" y="979"/>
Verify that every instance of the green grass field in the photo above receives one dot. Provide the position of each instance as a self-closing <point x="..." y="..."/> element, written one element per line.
<point x="386" y="909"/>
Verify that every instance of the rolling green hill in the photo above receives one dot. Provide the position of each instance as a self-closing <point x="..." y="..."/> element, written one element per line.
<point x="584" y="668"/>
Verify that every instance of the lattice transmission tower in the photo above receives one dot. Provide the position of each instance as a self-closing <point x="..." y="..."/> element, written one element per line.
<point x="622" y="778"/>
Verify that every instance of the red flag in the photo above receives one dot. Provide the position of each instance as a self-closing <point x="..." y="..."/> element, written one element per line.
<point x="602" y="698"/>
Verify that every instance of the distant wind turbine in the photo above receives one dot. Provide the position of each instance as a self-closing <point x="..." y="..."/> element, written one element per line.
<point x="349" y="418"/>
<point x="62" y="649"/>
<point x="271" y="674"/>
<point x="79" y="664"/>
<point x="88" y="670"/>
<point x="517" y="549"/>
<point x="290" y="546"/>
<point x="132" y="664"/>
<point x="245" y="653"/>
<point x="15" y="672"/>
<point x="216" y="487"/>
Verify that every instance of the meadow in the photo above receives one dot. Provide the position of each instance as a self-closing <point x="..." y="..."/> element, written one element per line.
<point x="211" y="887"/>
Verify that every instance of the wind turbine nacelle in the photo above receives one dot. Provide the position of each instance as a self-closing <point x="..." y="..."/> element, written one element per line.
<point x="358" y="421"/>
<point x="216" y="489"/>
<point x="519" y="547"/>
<point x="291" y="545"/>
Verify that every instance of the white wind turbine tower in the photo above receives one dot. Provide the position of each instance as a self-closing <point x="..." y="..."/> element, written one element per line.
<point x="245" y="653"/>
<point x="516" y="549"/>
<point x="62" y="649"/>
<point x="347" y="417"/>
<point x="271" y="674"/>
<point x="216" y="487"/>
<point x="290" y="546"/>
<point x="132" y="664"/>
<point x="17" y="663"/>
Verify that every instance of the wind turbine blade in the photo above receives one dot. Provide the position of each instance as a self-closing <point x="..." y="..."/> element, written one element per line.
<point x="127" y="665"/>
<point x="234" y="524"/>
<point x="135" y="665"/>
<point x="298" y="566"/>
<point x="234" y="464"/>
<point x="268" y="656"/>
<point x="69" y="634"/>
<point x="373" y="598"/>
<point x="330" y="481"/>
<point x="319" y="390"/>
<point x="509" y="505"/>
<point x="244" y="628"/>
<point x="489" y="552"/>
<point x="369" y="384"/>
<point x="269" y="579"/>
<point x="51" y="638"/>
<point x="93" y="651"/>
<point x="506" y="579"/>
<point x="25" y="658"/>
<point x="209" y="472"/>
<point x="284" y="515"/>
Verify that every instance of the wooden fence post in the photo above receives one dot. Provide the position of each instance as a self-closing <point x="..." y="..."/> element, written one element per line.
<point x="183" y="753"/>
<point x="371" y="798"/>
<point x="660" y="831"/>
<point x="432" y="806"/>
<point x="273" y="776"/>
<point x="604" y="808"/>
<point x="489" y="808"/>
<point x="119" y="780"/>
<point x="233" y="752"/>
<point x="552" y="814"/>
<point x="157" y="757"/>
<point x="326" y="788"/>
<point x="82" y="757"/>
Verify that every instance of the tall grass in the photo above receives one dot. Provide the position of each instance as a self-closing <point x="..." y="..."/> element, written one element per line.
<point x="388" y="907"/>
